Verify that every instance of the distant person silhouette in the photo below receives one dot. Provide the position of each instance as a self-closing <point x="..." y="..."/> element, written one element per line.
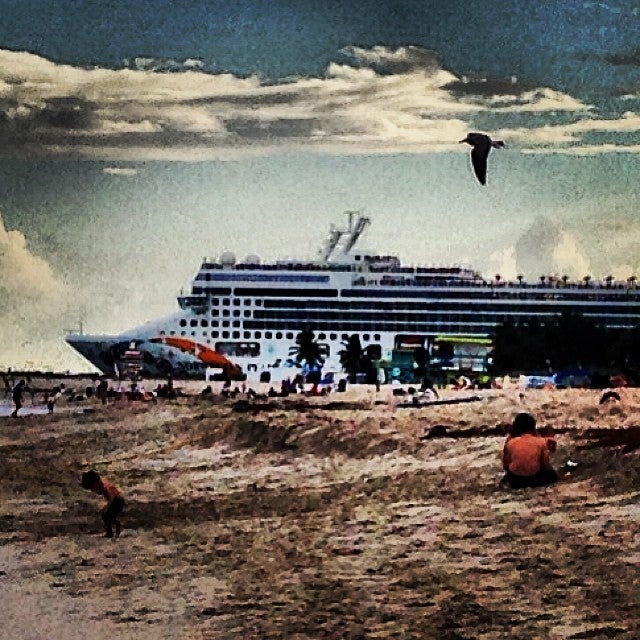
<point x="427" y="385"/>
<point x="17" y="392"/>
<point x="609" y="395"/>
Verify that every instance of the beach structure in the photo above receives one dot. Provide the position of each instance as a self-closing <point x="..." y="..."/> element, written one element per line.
<point x="242" y="317"/>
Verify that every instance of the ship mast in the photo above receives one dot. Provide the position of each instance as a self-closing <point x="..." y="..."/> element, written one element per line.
<point x="79" y="330"/>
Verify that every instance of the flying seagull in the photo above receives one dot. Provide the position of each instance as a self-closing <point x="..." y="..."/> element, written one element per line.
<point x="481" y="144"/>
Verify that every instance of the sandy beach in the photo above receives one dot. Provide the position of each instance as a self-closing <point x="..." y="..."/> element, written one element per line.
<point x="309" y="518"/>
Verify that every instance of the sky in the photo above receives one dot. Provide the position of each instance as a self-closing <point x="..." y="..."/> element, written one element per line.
<point x="138" y="138"/>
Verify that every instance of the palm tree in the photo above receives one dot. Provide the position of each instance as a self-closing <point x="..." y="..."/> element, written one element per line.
<point x="609" y="279"/>
<point x="307" y="350"/>
<point x="543" y="279"/>
<point x="565" y="279"/>
<point x="520" y="278"/>
<point x="632" y="281"/>
<point x="351" y="357"/>
<point x="586" y="280"/>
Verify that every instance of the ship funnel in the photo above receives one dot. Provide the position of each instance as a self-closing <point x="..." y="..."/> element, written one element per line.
<point x="355" y="231"/>
<point x="330" y="243"/>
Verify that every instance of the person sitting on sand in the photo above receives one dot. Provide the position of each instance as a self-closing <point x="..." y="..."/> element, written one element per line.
<point x="608" y="396"/>
<point x="526" y="455"/>
<point x="115" y="502"/>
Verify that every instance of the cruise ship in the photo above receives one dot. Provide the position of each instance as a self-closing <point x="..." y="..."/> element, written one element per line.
<point x="241" y="318"/>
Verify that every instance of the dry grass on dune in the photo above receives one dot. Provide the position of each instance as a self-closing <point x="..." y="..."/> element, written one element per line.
<point x="322" y="518"/>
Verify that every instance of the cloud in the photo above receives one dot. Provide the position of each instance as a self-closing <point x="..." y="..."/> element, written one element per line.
<point x="33" y="305"/>
<point x="23" y="275"/>
<point x="512" y="96"/>
<point x="570" y="138"/>
<point x="625" y="58"/>
<point x="623" y="272"/>
<point x="120" y="171"/>
<point x="402" y="60"/>
<point x="546" y="248"/>
<point x="569" y="257"/>
<point x="604" y="6"/>
<point x="504" y="263"/>
<point x="538" y="101"/>
<point x="586" y="150"/>
<point x="616" y="241"/>
<point x="154" y="63"/>
<point x="377" y="100"/>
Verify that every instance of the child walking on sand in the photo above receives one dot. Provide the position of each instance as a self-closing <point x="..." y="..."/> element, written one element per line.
<point x="115" y="502"/>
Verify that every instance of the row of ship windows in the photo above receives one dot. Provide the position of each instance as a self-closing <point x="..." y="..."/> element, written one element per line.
<point x="469" y="329"/>
<point x="401" y="305"/>
<point x="457" y="315"/>
<point x="338" y="323"/>
<point x="214" y="323"/>
<point x="619" y="306"/>
<point x="334" y="317"/>
<point x="227" y="302"/>
<point x="268" y="335"/>
<point x="500" y="294"/>
<point x="436" y="325"/>
<point x="371" y="322"/>
<point x="219" y="296"/>
<point x="259" y="292"/>
<point x="267" y="318"/>
<point x="473" y="328"/>
<point x="483" y="328"/>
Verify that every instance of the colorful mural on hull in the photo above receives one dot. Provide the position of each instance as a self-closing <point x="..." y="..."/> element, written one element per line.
<point x="161" y="356"/>
<point x="205" y="354"/>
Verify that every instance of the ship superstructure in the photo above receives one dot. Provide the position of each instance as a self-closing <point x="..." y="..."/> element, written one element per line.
<point x="244" y="316"/>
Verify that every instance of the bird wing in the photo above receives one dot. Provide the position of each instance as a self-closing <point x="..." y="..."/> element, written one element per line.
<point x="479" y="155"/>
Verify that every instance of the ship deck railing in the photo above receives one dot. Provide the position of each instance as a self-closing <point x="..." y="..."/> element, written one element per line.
<point x="446" y="275"/>
<point x="443" y="281"/>
<point x="338" y="267"/>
